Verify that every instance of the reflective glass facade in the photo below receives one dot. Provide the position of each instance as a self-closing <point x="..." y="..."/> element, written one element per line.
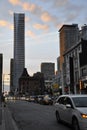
<point x="19" y="47"/>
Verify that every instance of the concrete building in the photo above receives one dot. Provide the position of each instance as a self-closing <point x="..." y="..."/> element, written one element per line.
<point x="19" y="47"/>
<point x="48" y="69"/>
<point x="68" y="35"/>
<point x="75" y="72"/>
<point x="72" y="58"/>
<point x="59" y="72"/>
<point x="83" y="32"/>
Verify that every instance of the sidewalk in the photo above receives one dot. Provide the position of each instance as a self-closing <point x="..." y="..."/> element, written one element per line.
<point x="7" y="121"/>
<point x="0" y="115"/>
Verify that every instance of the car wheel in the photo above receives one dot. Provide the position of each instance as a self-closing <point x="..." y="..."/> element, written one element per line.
<point x="75" y="125"/>
<point x="58" y="117"/>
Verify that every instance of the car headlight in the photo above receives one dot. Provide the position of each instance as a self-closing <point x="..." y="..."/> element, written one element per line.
<point x="84" y="116"/>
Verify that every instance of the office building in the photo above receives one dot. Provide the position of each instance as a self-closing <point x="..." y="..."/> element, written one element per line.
<point x="19" y="47"/>
<point x="68" y="35"/>
<point x="48" y="70"/>
<point x="73" y="54"/>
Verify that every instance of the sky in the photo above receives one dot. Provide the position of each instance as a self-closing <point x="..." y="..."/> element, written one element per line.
<point x="43" y="19"/>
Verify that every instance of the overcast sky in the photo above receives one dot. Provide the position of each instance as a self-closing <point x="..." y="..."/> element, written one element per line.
<point x="43" y="19"/>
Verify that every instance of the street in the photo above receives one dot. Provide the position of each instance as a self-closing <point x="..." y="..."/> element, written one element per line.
<point x="31" y="116"/>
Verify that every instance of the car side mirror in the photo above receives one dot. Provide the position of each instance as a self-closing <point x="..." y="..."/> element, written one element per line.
<point x="68" y="105"/>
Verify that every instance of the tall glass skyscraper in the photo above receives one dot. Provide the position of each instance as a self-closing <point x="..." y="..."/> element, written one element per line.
<point x="19" y="47"/>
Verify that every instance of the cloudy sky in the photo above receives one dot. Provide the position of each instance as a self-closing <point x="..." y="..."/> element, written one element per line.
<point x="43" y="19"/>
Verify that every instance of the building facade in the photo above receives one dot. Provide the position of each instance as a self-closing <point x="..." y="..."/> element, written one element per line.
<point x="31" y="86"/>
<point x="72" y="66"/>
<point x="68" y="35"/>
<point x="83" y="32"/>
<point x="75" y="72"/>
<point x="48" y="70"/>
<point x="19" y="47"/>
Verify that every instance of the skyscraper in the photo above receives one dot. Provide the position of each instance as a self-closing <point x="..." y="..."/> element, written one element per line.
<point x="19" y="47"/>
<point x="68" y="35"/>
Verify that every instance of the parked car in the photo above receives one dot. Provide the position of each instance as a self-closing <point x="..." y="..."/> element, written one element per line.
<point x="32" y="99"/>
<point x="47" y="100"/>
<point x="72" y="109"/>
<point x="40" y="99"/>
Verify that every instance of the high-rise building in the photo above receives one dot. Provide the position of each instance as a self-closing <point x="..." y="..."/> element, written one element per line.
<point x="1" y="71"/>
<point x="69" y="36"/>
<point x="48" y="69"/>
<point x="19" y="47"/>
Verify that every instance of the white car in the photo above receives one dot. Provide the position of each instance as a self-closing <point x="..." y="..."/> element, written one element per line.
<point x="72" y="109"/>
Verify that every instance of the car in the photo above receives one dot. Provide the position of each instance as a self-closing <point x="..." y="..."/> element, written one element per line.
<point x="40" y="99"/>
<point x="47" y="100"/>
<point x="72" y="109"/>
<point x="32" y="99"/>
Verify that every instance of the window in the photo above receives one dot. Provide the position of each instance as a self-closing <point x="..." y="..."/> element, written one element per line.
<point x="65" y="100"/>
<point x="76" y="76"/>
<point x="61" y="100"/>
<point x="84" y="72"/>
<point x="68" y="101"/>
<point x="80" y="101"/>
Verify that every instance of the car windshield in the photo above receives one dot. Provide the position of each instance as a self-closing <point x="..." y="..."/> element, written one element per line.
<point x="80" y="101"/>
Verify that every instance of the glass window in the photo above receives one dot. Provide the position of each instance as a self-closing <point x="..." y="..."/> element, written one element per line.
<point x="80" y="101"/>
<point x="68" y="101"/>
<point x="61" y="100"/>
<point x="84" y="72"/>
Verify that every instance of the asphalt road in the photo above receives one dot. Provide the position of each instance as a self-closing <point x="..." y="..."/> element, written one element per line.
<point x="0" y="114"/>
<point x="32" y="116"/>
